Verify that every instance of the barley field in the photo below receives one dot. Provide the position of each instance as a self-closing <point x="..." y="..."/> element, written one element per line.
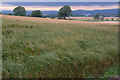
<point x="52" y="48"/>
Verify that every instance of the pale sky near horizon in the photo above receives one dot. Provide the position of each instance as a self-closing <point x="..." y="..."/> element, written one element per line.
<point x="59" y="0"/>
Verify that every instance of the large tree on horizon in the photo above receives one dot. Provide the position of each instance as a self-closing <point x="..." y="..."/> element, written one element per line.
<point x="36" y="13"/>
<point x="64" y="12"/>
<point x="19" y="11"/>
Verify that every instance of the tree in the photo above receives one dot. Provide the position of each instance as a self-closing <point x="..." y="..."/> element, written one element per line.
<point x="19" y="11"/>
<point x="29" y="15"/>
<point x="112" y="19"/>
<point x="97" y="16"/>
<point x="102" y="18"/>
<point x="0" y="13"/>
<point x="9" y="14"/>
<point x="36" y="13"/>
<point x="64" y="12"/>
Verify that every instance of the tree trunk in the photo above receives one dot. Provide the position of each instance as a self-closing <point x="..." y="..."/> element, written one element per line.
<point x="64" y="18"/>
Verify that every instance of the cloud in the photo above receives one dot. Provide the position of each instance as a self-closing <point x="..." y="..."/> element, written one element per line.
<point x="56" y="8"/>
<point x="60" y="0"/>
<point x="94" y="7"/>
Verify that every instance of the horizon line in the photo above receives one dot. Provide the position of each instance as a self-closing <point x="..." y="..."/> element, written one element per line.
<point x="72" y="10"/>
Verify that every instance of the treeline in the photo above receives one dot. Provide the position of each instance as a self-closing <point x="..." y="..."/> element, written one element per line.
<point x="64" y="12"/>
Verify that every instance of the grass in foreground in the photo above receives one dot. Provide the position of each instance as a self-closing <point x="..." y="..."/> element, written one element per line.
<point x="57" y="50"/>
<point x="111" y="72"/>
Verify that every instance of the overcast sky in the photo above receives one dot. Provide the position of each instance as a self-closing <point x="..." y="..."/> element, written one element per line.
<point x="59" y="0"/>
<point x="56" y="6"/>
<point x="52" y="6"/>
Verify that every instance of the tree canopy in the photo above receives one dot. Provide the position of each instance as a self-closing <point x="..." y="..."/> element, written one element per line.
<point x="19" y="11"/>
<point x="36" y="13"/>
<point x="65" y="11"/>
<point x="9" y="14"/>
<point x="97" y="16"/>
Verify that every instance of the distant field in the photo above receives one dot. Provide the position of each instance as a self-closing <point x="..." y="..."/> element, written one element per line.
<point x="91" y="18"/>
<point x="78" y="20"/>
<point x="52" y="48"/>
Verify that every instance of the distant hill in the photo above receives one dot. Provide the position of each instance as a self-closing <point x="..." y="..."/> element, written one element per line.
<point x="106" y="12"/>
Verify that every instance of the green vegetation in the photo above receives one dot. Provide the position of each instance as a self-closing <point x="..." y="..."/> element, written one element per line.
<point x="64" y="12"/>
<point x="52" y="17"/>
<point x="19" y="11"/>
<point x="57" y="50"/>
<point x="93" y="20"/>
<point x="9" y="14"/>
<point x="98" y="17"/>
<point x="44" y="17"/>
<point x="36" y="13"/>
<point x="111" y="72"/>
<point x="28" y="15"/>
<point x="112" y="19"/>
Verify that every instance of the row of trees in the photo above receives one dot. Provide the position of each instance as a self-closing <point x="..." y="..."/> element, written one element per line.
<point x="64" y="12"/>
<point x="20" y="11"/>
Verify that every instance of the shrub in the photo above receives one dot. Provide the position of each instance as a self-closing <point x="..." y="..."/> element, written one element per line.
<point x="71" y="19"/>
<point x="52" y="17"/>
<point x="117" y="20"/>
<point x="59" y="18"/>
<point x="36" y="13"/>
<point x="112" y="19"/>
<point x="44" y="16"/>
<point x="9" y="14"/>
<point x="28" y="15"/>
<point x="107" y="19"/>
